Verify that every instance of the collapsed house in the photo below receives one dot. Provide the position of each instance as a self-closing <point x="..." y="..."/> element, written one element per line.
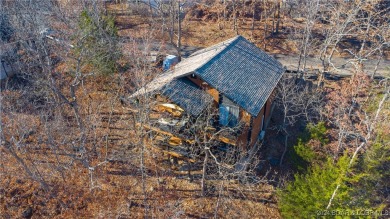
<point x="234" y="77"/>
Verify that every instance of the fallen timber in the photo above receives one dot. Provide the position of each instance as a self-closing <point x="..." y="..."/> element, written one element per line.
<point x="171" y="144"/>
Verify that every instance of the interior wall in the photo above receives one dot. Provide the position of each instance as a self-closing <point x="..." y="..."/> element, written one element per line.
<point x="213" y="92"/>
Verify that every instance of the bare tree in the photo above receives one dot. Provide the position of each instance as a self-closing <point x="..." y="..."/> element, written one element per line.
<point x="363" y="135"/>
<point x="173" y="12"/>
<point x="276" y="16"/>
<point x="254" y="9"/>
<point x="235" y="25"/>
<point x="298" y="101"/>
<point x="311" y="10"/>
<point x="372" y="30"/>
<point x="343" y="15"/>
<point x="49" y="94"/>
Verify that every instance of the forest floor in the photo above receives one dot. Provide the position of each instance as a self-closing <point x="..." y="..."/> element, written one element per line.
<point x="200" y="32"/>
<point x="116" y="187"/>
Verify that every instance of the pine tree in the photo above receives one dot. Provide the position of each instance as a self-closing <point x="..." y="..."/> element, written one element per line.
<point x="97" y="42"/>
<point x="308" y="195"/>
<point x="364" y="186"/>
<point x="371" y="177"/>
<point x="305" y="153"/>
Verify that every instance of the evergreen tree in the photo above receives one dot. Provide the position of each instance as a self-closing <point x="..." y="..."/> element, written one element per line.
<point x="308" y="195"/>
<point x="371" y="177"/>
<point x="305" y="153"/>
<point x="363" y="186"/>
<point x="97" y="42"/>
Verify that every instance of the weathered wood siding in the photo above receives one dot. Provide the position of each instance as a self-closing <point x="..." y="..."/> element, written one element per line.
<point x="242" y="140"/>
<point x="257" y="124"/>
<point x="256" y="127"/>
<point x="245" y="117"/>
<point x="213" y="92"/>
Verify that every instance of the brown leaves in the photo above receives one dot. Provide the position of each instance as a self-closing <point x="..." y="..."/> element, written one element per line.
<point x="344" y="110"/>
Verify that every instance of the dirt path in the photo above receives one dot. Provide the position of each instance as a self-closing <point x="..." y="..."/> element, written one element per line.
<point x="342" y="65"/>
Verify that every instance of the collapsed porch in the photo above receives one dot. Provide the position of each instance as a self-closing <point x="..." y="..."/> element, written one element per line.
<point x="176" y="133"/>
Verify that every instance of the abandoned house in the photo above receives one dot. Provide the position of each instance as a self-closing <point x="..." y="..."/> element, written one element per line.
<point x="235" y="76"/>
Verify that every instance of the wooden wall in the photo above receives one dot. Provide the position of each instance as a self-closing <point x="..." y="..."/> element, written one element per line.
<point x="213" y="92"/>
<point x="256" y="127"/>
<point x="257" y="122"/>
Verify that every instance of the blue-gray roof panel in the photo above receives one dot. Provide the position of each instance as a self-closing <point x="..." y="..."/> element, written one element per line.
<point x="187" y="95"/>
<point x="236" y="68"/>
<point x="244" y="73"/>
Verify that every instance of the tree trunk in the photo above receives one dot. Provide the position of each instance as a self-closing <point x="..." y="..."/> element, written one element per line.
<point x="235" y="17"/>
<point x="203" y="181"/>
<point x="285" y="149"/>
<point x="224" y="10"/>
<point x="278" y="18"/>
<point x="171" y="31"/>
<point x="178" y="31"/>
<point x="265" y="24"/>
<point x="253" y="18"/>
<point x="273" y="19"/>
<point x="376" y="66"/>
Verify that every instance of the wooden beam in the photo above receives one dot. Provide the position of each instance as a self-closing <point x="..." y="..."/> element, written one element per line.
<point x="226" y="140"/>
<point x="175" y="139"/>
<point x="154" y="129"/>
<point x="168" y="152"/>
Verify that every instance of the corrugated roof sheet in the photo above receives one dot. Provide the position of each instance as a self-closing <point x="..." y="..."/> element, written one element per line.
<point x="187" y="95"/>
<point x="236" y="67"/>
<point x="243" y="73"/>
<point x="185" y="67"/>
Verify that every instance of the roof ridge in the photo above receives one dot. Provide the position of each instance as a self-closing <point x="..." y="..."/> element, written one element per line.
<point x="264" y="58"/>
<point x="231" y="40"/>
<point x="214" y="46"/>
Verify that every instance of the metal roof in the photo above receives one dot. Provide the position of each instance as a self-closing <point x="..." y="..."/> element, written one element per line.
<point x="184" y="68"/>
<point x="187" y="95"/>
<point x="243" y="73"/>
<point x="236" y="68"/>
